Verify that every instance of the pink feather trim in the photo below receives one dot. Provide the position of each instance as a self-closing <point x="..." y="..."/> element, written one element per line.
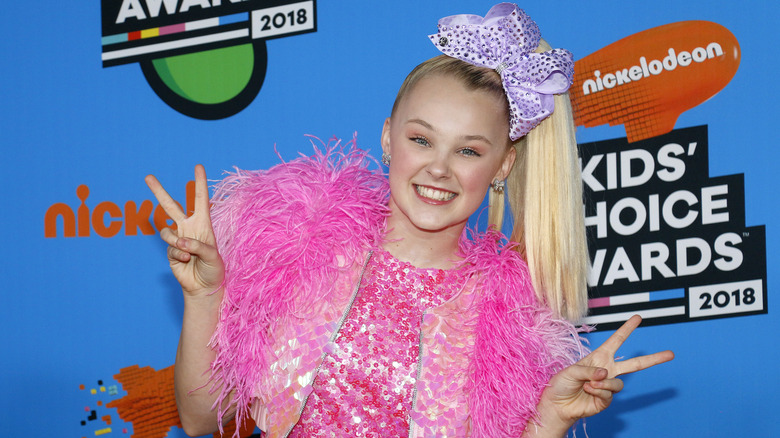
<point x="519" y="345"/>
<point x="282" y="234"/>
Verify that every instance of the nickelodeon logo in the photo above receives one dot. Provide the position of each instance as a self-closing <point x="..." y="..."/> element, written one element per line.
<point x="654" y="67"/>
<point x="107" y="218"/>
<point x="645" y="81"/>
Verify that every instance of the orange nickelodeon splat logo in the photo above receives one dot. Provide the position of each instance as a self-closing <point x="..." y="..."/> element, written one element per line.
<point x="150" y="404"/>
<point x="107" y="218"/>
<point x="646" y="80"/>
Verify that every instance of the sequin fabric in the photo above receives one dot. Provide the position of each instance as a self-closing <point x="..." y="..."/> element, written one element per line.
<point x="505" y="40"/>
<point x="365" y="387"/>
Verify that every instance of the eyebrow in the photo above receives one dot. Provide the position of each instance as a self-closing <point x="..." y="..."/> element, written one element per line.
<point x="422" y="122"/>
<point x="474" y="137"/>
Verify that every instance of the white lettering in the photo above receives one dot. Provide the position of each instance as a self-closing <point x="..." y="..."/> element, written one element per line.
<point x="656" y="67"/>
<point x="600" y="220"/>
<point x="643" y="63"/>
<point x="620" y="268"/>
<point x="635" y="73"/>
<point x="670" y="62"/>
<point x="705" y="253"/>
<point x="699" y="54"/>
<point x="684" y="59"/>
<point x="622" y="76"/>
<point x="694" y="256"/>
<point x="640" y="215"/>
<point x="655" y="255"/>
<point x="653" y="67"/>
<point x="669" y="169"/>
<point x="708" y="204"/>
<point x="130" y="9"/>
<point x="628" y="215"/>
<point x="713" y="50"/>
<point x="589" y="87"/>
<point x="595" y="268"/>
<point x="609" y="80"/>
<point x="723" y="248"/>
<point x="187" y="4"/>
<point x="668" y="209"/>
<point x="134" y="8"/>
<point x="599" y="84"/>
<point x="648" y="167"/>
<point x="587" y="173"/>
<point x="155" y="5"/>
<point x="652" y="207"/>
<point x="674" y="167"/>
<point x="611" y="171"/>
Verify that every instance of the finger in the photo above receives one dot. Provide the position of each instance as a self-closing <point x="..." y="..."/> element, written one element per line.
<point x="188" y="245"/>
<point x="598" y="393"/>
<point x="643" y="362"/>
<point x="169" y="236"/>
<point x="166" y="202"/>
<point x="201" y="190"/>
<point x="178" y="255"/>
<point x="204" y="251"/>
<point x="611" y="385"/>
<point x="585" y="373"/>
<point x="617" y="339"/>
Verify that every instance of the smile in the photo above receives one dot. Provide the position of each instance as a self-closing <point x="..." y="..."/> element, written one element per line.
<point x="434" y="194"/>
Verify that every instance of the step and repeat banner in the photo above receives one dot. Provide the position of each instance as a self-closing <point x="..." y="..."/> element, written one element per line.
<point x="675" y="104"/>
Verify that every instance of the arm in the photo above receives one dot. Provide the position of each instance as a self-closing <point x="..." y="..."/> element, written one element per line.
<point x="587" y="387"/>
<point x="197" y="265"/>
<point x="193" y="360"/>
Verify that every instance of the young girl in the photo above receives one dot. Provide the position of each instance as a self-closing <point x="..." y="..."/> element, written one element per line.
<point x="329" y="301"/>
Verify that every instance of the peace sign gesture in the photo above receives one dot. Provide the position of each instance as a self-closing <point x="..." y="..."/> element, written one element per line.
<point x="192" y="250"/>
<point x="586" y="388"/>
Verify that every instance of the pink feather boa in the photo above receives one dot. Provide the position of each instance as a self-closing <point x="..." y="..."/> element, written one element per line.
<point x="285" y="234"/>
<point x="519" y="345"/>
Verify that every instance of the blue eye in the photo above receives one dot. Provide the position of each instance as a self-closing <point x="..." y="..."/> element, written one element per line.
<point x="420" y="140"/>
<point x="469" y="152"/>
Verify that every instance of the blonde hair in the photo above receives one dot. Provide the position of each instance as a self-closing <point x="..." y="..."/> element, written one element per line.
<point x="473" y="77"/>
<point x="544" y="190"/>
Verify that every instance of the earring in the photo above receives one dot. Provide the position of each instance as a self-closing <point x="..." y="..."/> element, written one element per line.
<point x="498" y="186"/>
<point x="385" y="159"/>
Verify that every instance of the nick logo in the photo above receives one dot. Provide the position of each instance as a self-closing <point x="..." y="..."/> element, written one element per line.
<point x="205" y="58"/>
<point x="646" y="80"/>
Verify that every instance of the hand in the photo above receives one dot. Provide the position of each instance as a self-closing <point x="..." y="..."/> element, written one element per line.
<point x="587" y="387"/>
<point x="192" y="250"/>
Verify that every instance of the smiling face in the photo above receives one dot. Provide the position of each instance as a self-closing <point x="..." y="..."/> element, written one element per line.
<point x="447" y="144"/>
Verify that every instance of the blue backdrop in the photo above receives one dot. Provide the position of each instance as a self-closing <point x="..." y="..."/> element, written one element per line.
<point x="79" y="309"/>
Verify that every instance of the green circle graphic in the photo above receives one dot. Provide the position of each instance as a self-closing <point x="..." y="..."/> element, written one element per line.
<point x="211" y="84"/>
<point x="208" y="77"/>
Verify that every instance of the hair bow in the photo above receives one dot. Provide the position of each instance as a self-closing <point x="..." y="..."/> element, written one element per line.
<point x="505" y="40"/>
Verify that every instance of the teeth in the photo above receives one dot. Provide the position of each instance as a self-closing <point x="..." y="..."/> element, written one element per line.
<point x="436" y="195"/>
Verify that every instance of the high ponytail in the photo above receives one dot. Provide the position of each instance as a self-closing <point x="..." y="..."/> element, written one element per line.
<point x="545" y="199"/>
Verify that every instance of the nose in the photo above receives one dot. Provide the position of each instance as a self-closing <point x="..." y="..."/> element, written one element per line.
<point x="439" y="166"/>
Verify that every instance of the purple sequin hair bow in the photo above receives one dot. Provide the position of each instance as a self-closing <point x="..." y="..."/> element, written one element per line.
<point x="505" y="40"/>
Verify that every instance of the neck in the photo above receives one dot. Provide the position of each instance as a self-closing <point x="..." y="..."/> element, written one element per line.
<point x="422" y="248"/>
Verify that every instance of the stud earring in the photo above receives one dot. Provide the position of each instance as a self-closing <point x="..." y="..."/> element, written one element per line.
<point x="498" y="186"/>
<point x="385" y="159"/>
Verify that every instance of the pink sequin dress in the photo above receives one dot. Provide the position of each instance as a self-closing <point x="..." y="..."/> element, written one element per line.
<point x="365" y="387"/>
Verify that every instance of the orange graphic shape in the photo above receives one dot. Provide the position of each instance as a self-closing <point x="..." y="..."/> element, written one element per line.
<point x="646" y="80"/>
<point x="150" y="403"/>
